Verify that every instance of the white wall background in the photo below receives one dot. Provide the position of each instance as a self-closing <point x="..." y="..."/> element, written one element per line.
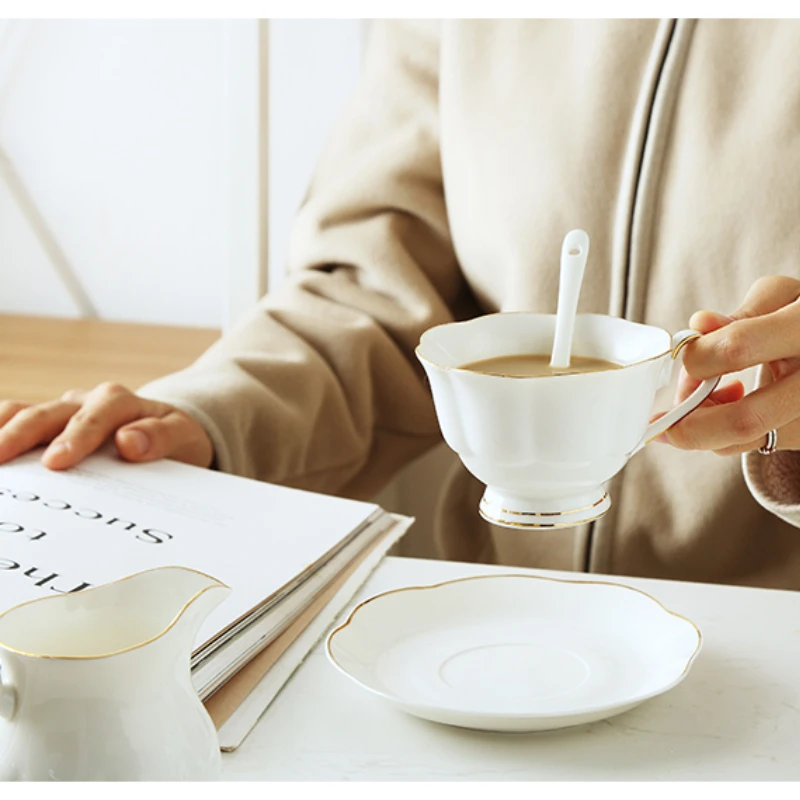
<point x="115" y="130"/>
<point x="123" y="136"/>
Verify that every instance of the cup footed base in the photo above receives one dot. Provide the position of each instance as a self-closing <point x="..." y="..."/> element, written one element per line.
<point x="535" y="513"/>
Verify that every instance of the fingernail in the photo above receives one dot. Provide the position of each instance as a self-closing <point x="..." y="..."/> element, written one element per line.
<point x="57" y="450"/>
<point x="136" y="442"/>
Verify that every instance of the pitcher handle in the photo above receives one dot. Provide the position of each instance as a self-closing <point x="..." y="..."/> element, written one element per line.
<point x="8" y="700"/>
<point x="655" y="429"/>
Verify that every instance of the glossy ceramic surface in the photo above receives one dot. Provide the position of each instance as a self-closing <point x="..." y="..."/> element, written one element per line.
<point x="96" y="684"/>
<point x="515" y="652"/>
<point x="546" y="446"/>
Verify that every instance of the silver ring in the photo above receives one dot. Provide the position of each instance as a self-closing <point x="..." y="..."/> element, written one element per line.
<point x="771" y="445"/>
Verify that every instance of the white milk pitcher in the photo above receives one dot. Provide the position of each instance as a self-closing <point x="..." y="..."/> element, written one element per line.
<point x="96" y="684"/>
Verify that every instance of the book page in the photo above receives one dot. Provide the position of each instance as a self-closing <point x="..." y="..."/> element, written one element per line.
<point x="106" y="518"/>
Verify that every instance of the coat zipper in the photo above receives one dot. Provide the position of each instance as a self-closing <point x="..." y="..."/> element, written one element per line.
<point x="621" y="301"/>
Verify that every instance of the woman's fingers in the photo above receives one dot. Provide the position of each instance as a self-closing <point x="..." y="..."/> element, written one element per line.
<point x="767" y="295"/>
<point x="9" y="409"/>
<point x="708" y="321"/>
<point x="29" y="427"/>
<point x="766" y="327"/>
<point x="745" y="343"/>
<point x="727" y="393"/>
<point x="788" y="439"/>
<point x="81" y="422"/>
<point x="739" y="423"/>
<point x="175" y="435"/>
<point x="106" y="408"/>
<point x="75" y="396"/>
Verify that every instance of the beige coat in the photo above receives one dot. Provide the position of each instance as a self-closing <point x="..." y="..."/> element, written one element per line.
<point x="470" y="149"/>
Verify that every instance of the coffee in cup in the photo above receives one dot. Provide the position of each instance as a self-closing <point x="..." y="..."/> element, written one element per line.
<point x="546" y="445"/>
<point x="535" y="366"/>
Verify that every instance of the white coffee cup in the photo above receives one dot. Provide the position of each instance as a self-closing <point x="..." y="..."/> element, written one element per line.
<point x="546" y="446"/>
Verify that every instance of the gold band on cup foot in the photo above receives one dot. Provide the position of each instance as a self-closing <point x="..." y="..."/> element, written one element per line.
<point x="494" y="512"/>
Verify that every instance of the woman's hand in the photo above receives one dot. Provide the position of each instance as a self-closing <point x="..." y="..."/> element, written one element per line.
<point x="80" y="422"/>
<point x="764" y="330"/>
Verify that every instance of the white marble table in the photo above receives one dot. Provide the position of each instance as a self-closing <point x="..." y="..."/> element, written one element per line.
<point x="735" y="717"/>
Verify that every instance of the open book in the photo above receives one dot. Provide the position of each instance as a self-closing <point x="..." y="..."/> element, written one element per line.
<point x="293" y="559"/>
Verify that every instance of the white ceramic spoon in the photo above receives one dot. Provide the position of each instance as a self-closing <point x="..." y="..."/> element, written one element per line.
<point x="574" y="251"/>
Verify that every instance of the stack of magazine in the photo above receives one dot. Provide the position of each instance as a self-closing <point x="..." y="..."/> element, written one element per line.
<point x="293" y="559"/>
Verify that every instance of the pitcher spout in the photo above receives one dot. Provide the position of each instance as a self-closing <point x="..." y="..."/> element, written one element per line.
<point x="113" y="618"/>
<point x="201" y="594"/>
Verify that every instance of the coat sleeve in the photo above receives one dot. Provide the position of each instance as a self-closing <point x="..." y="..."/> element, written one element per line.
<point x="319" y="387"/>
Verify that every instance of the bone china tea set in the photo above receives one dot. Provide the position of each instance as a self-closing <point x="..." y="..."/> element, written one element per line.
<point x="96" y="684"/>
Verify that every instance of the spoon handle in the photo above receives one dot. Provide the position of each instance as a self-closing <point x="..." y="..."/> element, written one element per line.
<point x="574" y="252"/>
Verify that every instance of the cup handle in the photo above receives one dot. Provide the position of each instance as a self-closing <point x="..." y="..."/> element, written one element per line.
<point x="655" y="429"/>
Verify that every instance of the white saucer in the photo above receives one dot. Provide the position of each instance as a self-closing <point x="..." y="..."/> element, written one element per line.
<point x="515" y="652"/>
